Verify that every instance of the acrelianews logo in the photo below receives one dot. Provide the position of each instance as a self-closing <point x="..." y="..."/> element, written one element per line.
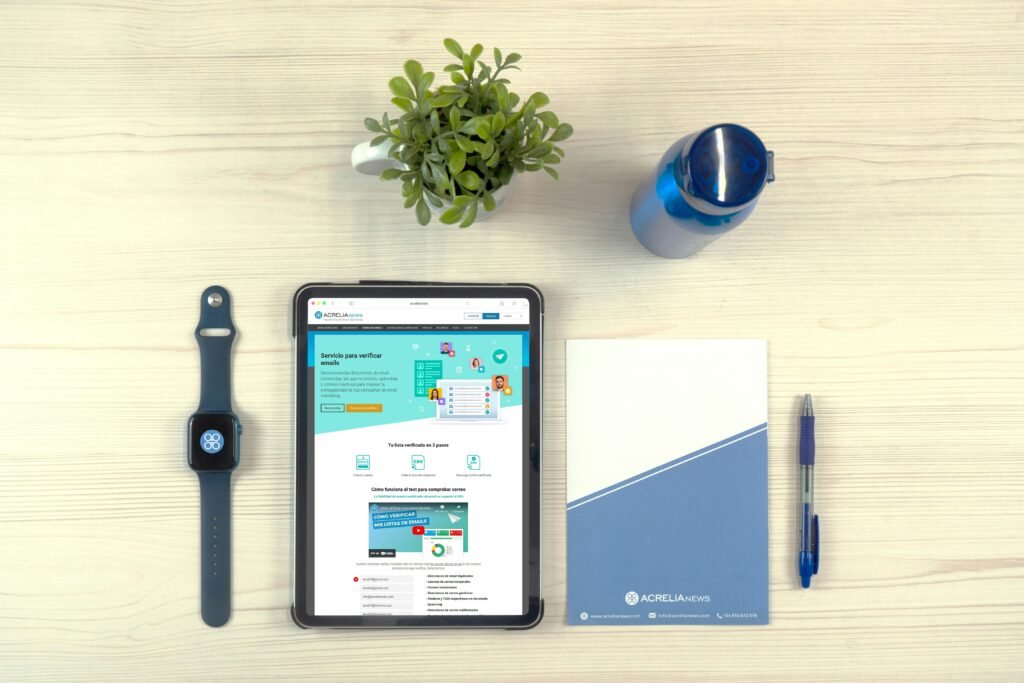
<point x="335" y="314"/>
<point x="633" y="598"/>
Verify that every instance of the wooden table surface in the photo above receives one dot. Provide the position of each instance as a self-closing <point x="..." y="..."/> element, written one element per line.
<point x="149" y="148"/>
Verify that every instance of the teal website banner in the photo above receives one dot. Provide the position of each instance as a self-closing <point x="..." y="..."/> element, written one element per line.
<point x="368" y="378"/>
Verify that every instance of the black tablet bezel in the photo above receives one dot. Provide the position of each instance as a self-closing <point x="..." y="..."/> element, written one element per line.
<point x="303" y="581"/>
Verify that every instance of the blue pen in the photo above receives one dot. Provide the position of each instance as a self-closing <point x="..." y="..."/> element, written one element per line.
<point x="810" y="552"/>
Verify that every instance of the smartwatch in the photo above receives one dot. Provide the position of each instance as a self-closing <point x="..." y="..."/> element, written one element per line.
<point x="213" y="435"/>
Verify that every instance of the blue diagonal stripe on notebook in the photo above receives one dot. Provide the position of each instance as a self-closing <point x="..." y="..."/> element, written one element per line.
<point x="682" y="460"/>
<point x="684" y="543"/>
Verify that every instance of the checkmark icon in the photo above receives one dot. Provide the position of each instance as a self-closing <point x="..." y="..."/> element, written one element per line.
<point x="500" y="355"/>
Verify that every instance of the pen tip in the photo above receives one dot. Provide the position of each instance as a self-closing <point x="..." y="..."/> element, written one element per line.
<point x="808" y="405"/>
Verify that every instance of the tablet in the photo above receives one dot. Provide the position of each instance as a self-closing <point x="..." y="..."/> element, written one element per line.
<point x="418" y="419"/>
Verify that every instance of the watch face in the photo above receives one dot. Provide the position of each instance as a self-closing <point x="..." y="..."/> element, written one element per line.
<point x="212" y="441"/>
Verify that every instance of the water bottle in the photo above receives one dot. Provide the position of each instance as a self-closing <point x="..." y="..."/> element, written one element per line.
<point x="704" y="186"/>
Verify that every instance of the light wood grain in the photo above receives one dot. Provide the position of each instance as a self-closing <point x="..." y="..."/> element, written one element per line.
<point x="150" y="148"/>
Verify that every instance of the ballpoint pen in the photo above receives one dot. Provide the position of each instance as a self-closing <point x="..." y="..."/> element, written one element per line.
<point x="809" y="550"/>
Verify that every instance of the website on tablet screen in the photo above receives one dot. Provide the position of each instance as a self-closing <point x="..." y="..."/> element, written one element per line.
<point x="419" y="414"/>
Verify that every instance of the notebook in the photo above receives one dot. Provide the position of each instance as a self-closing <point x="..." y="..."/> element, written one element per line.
<point x="667" y="481"/>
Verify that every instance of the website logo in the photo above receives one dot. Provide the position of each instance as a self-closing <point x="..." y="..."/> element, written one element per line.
<point x="633" y="598"/>
<point x="335" y="314"/>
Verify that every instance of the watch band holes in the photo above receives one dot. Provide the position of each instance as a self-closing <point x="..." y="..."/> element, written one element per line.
<point x="214" y="332"/>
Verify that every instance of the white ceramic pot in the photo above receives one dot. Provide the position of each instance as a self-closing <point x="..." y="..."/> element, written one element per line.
<point x="373" y="160"/>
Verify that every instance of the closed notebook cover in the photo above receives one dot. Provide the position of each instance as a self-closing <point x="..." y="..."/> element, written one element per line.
<point x="667" y="481"/>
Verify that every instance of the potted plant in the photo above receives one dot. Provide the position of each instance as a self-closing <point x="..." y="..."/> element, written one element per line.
<point x="457" y="148"/>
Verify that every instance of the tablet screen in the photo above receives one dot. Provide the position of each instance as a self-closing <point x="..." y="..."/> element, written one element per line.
<point x="419" y="414"/>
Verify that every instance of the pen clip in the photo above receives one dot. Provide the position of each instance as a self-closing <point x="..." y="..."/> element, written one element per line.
<point x="815" y="546"/>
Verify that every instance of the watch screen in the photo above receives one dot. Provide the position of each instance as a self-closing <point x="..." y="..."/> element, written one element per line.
<point x="418" y="409"/>
<point x="211" y="439"/>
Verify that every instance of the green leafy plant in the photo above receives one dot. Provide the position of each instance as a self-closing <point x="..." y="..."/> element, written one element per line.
<point x="459" y="143"/>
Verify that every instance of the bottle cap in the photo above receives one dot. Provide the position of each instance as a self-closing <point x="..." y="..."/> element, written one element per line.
<point x="727" y="165"/>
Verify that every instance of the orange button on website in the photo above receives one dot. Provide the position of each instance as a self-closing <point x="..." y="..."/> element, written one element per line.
<point x="364" y="408"/>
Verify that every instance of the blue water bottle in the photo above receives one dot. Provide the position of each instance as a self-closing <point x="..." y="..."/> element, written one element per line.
<point x="704" y="186"/>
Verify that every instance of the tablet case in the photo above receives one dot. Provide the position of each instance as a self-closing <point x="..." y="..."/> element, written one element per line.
<point x="291" y="609"/>
<point x="540" y="618"/>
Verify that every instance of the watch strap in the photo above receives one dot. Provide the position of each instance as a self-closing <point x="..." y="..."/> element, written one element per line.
<point x="215" y="524"/>
<point x="215" y="334"/>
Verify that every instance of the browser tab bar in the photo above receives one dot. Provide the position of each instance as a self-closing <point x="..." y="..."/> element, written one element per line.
<point x="376" y="311"/>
